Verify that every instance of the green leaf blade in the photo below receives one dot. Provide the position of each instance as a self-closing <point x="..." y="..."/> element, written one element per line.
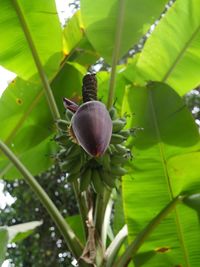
<point x="3" y="243"/>
<point x="100" y="21"/>
<point x="26" y="122"/>
<point x="15" y="52"/>
<point x="169" y="131"/>
<point x="171" y="54"/>
<point x="37" y="159"/>
<point x="20" y="231"/>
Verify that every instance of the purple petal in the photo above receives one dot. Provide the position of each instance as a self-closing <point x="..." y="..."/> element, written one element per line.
<point x="68" y="104"/>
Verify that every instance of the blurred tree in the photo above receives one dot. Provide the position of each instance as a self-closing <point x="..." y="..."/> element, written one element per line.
<point x="192" y="100"/>
<point x="45" y="245"/>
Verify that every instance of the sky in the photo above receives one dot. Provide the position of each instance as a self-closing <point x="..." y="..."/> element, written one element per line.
<point x="7" y="76"/>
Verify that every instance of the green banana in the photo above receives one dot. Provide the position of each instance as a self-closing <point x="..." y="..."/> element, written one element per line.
<point x="125" y="133"/>
<point x="106" y="161"/>
<point x="85" y="179"/>
<point x="121" y="149"/>
<point x="62" y="139"/>
<point x="109" y="150"/>
<point x="117" y="139"/>
<point x="118" y="159"/>
<point x="71" y="165"/>
<point x="66" y="165"/>
<point x="112" y="149"/>
<point x="62" y="125"/>
<point x="73" y="151"/>
<point x="107" y="178"/>
<point x="97" y="183"/>
<point x="113" y="113"/>
<point x="118" y="125"/>
<point x="72" y="177"/>
<point x="117" y="170"/>
<point x="61" y="155"/>
<point x="76" y="166"/>
<point x="124" y="117"/>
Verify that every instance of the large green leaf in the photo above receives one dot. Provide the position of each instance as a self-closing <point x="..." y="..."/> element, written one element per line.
<point x="44" y="28"/>
<point x="15" y="233"/>
<point x="26" y="122"/>
<point x="24" y="112"/>
<point x="77" y="48"/>
<point x="3" y="243"/>
<point x="68" y="83"/>
<point x="185" y="168"/>
<point x="103" y="78"/>
<point x="37" y="159"/>
<point x="100" y="21"/>
<point x="20" y="231"/>
<point x="76" y="224"/>
<point x="118" y="220"/>
<point x="169" y="132"/>
<point x="172" y="52"/>
<point x="72" y="33"/>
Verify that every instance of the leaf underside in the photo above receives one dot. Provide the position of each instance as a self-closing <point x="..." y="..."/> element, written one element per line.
<point x="169" y="134"/>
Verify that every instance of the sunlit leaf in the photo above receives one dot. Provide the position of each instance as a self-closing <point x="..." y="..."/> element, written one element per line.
<point x="100" y="21"/>
<point x="168" y="131"/>
<point x="103" y="78"/>
<point x="193" y="202"/>
<point x="172" y="52"/>
<point x="26" y="121"/>
<point x="75" y="43"/>
<point x="72" y="33"/>
<point x="45" y="31"/>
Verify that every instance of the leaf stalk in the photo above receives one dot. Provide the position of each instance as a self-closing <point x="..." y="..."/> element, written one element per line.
<point x="72" y="241"/>
<point x="49" y="95"/>
<point x="144" y="234"/>
<point x="115" y="55"/>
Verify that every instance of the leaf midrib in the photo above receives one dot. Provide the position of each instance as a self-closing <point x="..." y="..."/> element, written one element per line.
<point x="34" y="102"/>
<point x="181" y="54"/>
<point x="170" y="191"/>
<point x="24" y="116"/>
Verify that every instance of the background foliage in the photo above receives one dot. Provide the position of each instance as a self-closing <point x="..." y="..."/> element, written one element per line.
<point x="46" y="240"/>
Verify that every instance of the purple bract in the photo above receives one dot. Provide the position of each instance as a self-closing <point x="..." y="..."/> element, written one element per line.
<point x="92" y="126"/>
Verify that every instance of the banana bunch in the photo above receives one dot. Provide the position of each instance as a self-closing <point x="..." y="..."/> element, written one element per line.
<point x="96" y="172"/>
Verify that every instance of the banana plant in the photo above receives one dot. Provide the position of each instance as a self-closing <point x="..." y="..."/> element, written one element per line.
<point x="123" y="138"/>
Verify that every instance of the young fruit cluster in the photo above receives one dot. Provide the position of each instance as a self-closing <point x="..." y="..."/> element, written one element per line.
<point x="90" y="171"/>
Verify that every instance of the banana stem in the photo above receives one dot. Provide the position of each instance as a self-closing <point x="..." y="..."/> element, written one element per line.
<point x="82" y="204"/>
<point x="114" y="247"/>
<point x="115" y="55"/>
<point x="100" y="208"/>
